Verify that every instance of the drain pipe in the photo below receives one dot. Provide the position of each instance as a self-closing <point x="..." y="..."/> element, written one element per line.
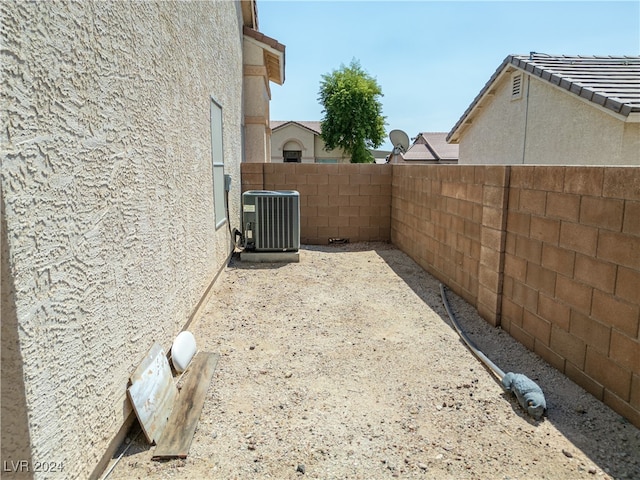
<point x="528" y="393"/>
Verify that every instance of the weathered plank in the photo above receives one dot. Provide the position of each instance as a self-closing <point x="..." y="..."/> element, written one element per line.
<point x="153" y="393"/>
<point x="178" y="433"/>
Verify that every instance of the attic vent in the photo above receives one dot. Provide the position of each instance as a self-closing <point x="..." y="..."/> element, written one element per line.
<point x="516" y="86"/>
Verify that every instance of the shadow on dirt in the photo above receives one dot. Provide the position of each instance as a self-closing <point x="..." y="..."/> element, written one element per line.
<point x="605" y="437"/>
<point x="236" y="263"/>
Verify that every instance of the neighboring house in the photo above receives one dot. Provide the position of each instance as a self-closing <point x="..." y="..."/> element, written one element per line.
<point x="380" y="156"/>
<point x="543" y="109"/>
<point x="120" y="121"/>
<point x="300" y="142"/>
<point x="428" y="148"/>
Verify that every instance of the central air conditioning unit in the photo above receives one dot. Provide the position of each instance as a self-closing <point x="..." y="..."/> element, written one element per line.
<point x="271" y="220"/>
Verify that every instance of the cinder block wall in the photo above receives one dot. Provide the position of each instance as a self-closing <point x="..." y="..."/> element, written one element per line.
<point x="351" y="201"/>
<point x="572" y="275"/>
<point x="436" y="219"/>
<point x="550" y="253"/>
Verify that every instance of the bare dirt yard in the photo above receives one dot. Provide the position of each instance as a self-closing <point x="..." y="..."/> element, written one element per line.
<point x="345" y="366"/>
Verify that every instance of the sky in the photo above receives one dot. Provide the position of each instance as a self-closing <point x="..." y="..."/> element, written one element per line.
<point x="430" y="58"/>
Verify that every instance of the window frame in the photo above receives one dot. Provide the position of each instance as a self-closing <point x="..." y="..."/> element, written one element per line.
<point x="292" y="156"/>
<point x="217" y="164"/>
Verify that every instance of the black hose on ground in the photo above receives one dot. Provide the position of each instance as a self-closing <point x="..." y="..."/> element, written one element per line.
<point x="528" y="393"/>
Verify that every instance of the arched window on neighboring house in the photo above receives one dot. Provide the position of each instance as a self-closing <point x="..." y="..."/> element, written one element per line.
<point x="292" y="152"/>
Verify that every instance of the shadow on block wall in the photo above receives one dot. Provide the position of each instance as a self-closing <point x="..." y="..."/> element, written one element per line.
<point x="549" y="253"/>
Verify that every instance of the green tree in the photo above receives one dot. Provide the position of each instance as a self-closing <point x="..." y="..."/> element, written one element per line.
<point x="352" y="112"/>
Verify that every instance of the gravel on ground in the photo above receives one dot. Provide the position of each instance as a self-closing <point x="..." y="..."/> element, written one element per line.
<point x="345" y="366"/>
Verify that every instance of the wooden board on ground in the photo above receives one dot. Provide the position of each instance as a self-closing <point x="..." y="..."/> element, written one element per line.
<point x="178" y="433"/>
<point x="153" y="393"/>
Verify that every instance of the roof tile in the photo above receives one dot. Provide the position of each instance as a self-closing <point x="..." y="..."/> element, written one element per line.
<point x="431" y="146"/>
<point x="611" y="81"/>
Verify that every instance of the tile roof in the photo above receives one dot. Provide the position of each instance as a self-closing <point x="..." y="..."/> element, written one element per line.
<point x="313" y="126"/>
<point x="438" y="142"/>
<point x="419" y="152"/>
<point x="274" y="53"/>
<point x="612" y="82"/>
<point x="262" y="38"/>
<point x="431" y="146"/>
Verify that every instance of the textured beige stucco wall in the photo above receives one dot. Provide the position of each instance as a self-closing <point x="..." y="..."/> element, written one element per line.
<point x="631" y="144"/>
<point x="108" y="203"/>
<point x="496" y="134"/>
<point x="551" y="126"/>
<point x="321" y="152"/>
<point x="256" y="103"/>
<point x="563" y="129"/>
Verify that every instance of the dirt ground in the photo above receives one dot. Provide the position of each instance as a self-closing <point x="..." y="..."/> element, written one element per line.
<point x="345" y="366"/>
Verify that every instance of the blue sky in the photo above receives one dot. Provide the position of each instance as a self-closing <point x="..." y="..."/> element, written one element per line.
<point x="431" y="58"/>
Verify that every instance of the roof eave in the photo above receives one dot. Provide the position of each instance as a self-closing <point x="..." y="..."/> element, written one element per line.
<point x="298" y="124"/>
<point x="467" y="117"/>
<point x="249" y="13"/>
<point x="274" y="53"/>
<point x="624" y="110"/>
<point x="633" y="117"/>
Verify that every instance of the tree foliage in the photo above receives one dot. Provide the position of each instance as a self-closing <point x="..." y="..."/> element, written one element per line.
<point x="352" y="112"/>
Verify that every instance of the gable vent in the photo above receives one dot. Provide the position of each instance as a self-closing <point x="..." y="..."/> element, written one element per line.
<point x="516" y="86"/>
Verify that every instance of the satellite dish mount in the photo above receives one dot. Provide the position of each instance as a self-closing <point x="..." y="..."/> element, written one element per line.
<point x="400" y="141"/>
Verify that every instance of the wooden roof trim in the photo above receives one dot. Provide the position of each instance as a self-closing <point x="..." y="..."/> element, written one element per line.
<point x="274" y="53"/>
<point x="249" y="13"/>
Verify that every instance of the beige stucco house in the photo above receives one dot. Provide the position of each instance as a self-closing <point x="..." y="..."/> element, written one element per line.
<point x="300" y="142"/>
<point x="120" y="121"/>
<point x="543" y="109"/>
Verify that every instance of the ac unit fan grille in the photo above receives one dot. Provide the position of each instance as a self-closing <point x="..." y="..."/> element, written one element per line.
<point x="276" y="222"/>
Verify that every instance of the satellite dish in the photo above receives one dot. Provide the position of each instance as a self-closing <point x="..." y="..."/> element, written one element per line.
<point x="399" y="139"/>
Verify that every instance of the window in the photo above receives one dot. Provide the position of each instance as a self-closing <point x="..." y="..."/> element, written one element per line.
<point x="294" y="156"/>
<point x="217" y="160"/>
<point x="326" y="160"/>
<point x="516" y="86"/>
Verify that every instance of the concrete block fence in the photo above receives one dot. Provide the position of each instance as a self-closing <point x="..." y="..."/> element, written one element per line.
<point x="549" y="253"/>
<point x="336" y="201"/>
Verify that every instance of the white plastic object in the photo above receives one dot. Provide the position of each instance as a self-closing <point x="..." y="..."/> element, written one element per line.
<point x="183" y="350"/>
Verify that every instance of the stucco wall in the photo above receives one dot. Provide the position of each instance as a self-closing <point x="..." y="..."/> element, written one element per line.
<point x="256" y="103"/>
<point x="565" y="130"/>
<point x="108" y="204"/>
<point x="547" y="125"/>
<point x="631" y="143"/>
<point x="313" y="147"/>
<point x="496" y="134"/>
<point x="288" y="133"/>
<point x="323" y="153"/>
